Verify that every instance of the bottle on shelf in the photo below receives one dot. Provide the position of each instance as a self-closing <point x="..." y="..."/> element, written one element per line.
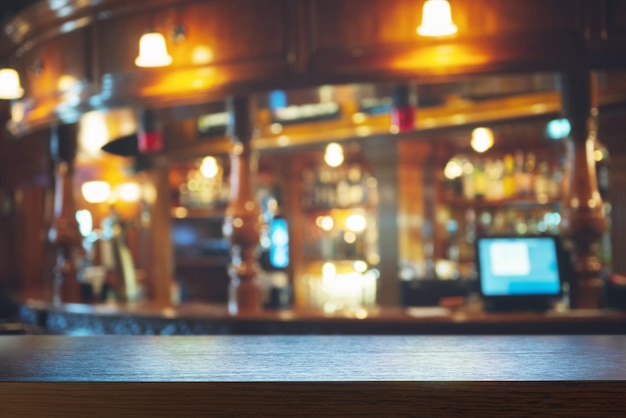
<point x="356" y="185"/>
<point x="494" y="170"/>
<point x="469" y="184"/>
<point x="522" y="179"/>
<point x="530" y="168"/>
<point x="480" y="180"/>
<point x="308" y="183"/>
<point x="542" y="180"/>
<point x="371" y="189"/>
<point x="343" y="191"/>
<point x="466" y="250"/>
<point x="508" y="180"/>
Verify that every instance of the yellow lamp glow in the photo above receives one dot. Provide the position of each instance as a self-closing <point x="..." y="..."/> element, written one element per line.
<point x="454" y="169"/>
<point x="356" y="222"/>
<point x="10" y="87"/>
<point x="359" y="266"/>
<point x="209" y="167"/>
<point x="329" y="270"/>
<point x="482" y="139"/>
<point x="129" y="192"/>
<point x="325" y="222"/>
<point x="96" y="191"/>
<point x="334" y="154"/>
<point x="437" y="19"/>
<point x="153" y="51"/>
<point x="598" y="155"/>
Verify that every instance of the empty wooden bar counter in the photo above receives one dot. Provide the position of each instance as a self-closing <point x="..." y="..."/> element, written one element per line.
<point x="313" y="376"/>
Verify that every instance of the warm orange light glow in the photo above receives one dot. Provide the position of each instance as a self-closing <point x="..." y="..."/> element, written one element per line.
<point x="201" y="55"/>
<point x="439" y="59"/>
<point x="66" y="82"/>
<point x="153" y="51"/>
<point x="185" y="80"/>
<point x="437" y="19"/>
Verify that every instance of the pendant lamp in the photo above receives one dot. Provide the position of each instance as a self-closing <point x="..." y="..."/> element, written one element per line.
<point x="10" y="87"/>
<point x="153" y="51"/>
<point x="437" y="19"/>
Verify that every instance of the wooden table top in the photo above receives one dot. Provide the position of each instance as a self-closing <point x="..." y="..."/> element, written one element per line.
<point x="312" y="375"/>
<point x="312" y="358"/>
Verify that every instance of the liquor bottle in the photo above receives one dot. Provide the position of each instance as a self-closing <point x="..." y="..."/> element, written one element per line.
<point x="356" y="185"/>
<point x="308" y="191"/>
<point x="494" y="170"/>
<point x="372" y="189"/>
<point x="499" y="223"/>
<point x="542" y="182"/>
<point x="530" y="168"/>
<point x="331" y="188"/>
<point x="556" y="182"/>
<point x="466" y="250"/>
<point x="518" y="173"/>
<point x="508" y="180"/>
<point x="480" y="180"/>
<point x="469" y="189"/>
<point x="322" y="195"/>
<point x="343" y="191"/>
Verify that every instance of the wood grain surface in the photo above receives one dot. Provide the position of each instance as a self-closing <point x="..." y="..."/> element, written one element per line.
<point x="312" y="358"/>
<point x="351" y="399"/>
<point x="313" y="376"/>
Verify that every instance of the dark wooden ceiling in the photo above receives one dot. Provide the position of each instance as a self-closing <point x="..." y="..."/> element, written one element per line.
<point x="9" y="8"/>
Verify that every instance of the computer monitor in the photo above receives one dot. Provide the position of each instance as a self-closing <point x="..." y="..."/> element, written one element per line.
<point x="519" y="273"/>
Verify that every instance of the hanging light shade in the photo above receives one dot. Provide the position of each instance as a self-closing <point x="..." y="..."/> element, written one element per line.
<point x="437" y="19"/>
<point x="10" y="87"/>
<point x="153" y="51"/>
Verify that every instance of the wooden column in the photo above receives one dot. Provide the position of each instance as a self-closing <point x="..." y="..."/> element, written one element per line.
<point x="161" y="264"/>
<point x="64" y="234"/>
<point x="8" y="276"/>
<point x="613" y="135"/>
<point x="583" y="221"/>
<point x="416" y="201"/>
<point x="617" y="197"/>
<point x="383" y="154"/>
<point x="242" y="222"/>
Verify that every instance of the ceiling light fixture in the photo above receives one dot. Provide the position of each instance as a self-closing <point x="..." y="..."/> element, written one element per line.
<point x="153" y="51"/>
<point x="437" y="19"/>
<point x="10" y="87"/>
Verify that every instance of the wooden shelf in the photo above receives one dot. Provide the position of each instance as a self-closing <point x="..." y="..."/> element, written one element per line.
<point x="517" y="203"/>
